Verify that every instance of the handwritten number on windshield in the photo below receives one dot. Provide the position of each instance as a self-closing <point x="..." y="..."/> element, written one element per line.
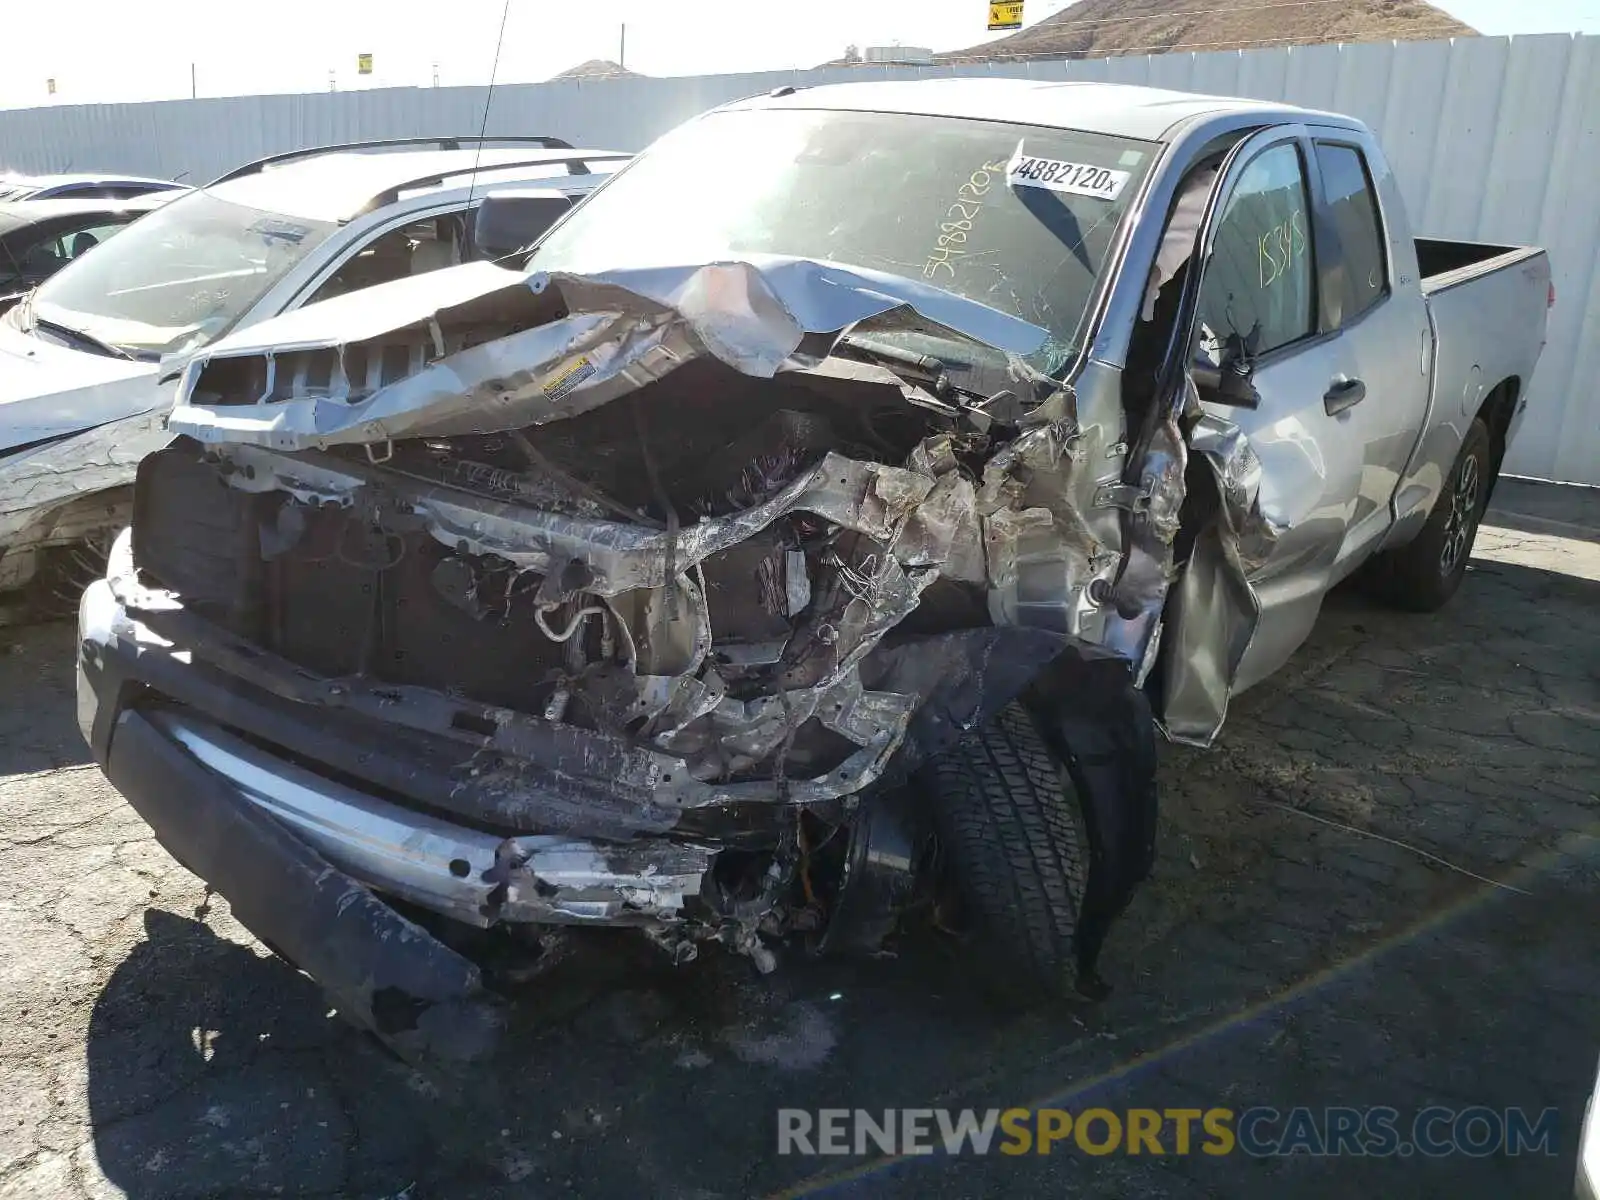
<point x="960" y="216"/>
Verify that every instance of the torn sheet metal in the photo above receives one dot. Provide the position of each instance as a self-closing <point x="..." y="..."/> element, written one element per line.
<point x="622" y="329"/>
<point x="1052" y="537"/>
<point x="690" y="713"/>
<point x="867" y="497"/>
<point x="533" y="772"/>
<point x="59" y="490"/>
<point x="1215" y="611"/>
<point x="1150" y="503"/>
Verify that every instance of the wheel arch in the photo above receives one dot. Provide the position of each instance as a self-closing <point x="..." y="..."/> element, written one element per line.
<point x="1496" y="412"/>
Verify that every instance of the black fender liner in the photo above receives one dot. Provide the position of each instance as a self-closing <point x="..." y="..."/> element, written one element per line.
<point x="1101" y="726"/>
<point x="1092" y="715"/>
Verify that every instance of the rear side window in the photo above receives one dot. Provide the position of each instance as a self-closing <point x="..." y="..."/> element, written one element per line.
<point x="1363" y="274"/>
<point x="1261" y="279"/>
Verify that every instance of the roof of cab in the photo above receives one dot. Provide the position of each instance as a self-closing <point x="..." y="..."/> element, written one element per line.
<point x="338" y="185"/>
<point x="1123" y="110"/>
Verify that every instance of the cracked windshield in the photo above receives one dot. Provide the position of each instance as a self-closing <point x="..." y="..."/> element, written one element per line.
<point x="817" y="184"/>
<point x="176" y="279"/>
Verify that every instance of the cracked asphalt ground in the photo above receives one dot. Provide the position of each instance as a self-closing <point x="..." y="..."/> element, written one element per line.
<point x="1284" y="955"/>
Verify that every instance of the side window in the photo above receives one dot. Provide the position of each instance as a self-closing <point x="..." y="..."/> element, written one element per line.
<point x="84" y="240"/>
<point x="1262" y="276"/>
<point x="44" y="258"/>
<point x="1364" y="275"/>
<point x="412" y="249"/>
<point x="55" y="250"/>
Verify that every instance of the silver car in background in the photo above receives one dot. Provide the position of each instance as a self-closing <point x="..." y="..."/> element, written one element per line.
<point x="89" y="360"/>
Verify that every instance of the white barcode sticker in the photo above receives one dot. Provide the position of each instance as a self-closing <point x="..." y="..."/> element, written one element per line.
<point x="1059" y="175"/>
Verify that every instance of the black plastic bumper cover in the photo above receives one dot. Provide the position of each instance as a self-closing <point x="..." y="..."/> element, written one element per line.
<point x="425" y="1000"/>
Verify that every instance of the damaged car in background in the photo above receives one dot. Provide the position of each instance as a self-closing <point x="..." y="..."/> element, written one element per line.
<point x="760" y="562"/>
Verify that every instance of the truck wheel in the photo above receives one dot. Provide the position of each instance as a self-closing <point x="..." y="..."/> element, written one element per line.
<point x="1424" y="574"/>
<point x="1012" y="830"/>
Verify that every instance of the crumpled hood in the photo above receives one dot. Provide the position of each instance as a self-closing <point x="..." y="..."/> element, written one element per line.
<point x="622" y="328"/>
<point x="752" y="313"/>
<point x="48" y="390"/>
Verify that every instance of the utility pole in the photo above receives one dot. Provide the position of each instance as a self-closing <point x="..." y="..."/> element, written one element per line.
<point x="622" y="48"/>
<point x="435" y="74"/>
<point x="194" y="86"/>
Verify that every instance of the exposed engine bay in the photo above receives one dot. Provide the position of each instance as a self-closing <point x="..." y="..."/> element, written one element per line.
<point x="713" y="578"/>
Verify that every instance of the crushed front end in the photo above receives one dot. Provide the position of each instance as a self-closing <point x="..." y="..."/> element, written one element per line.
<point x="626" y="600"/>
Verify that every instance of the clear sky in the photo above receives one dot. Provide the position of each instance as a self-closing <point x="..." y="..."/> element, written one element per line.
<point x="108" y="50"/>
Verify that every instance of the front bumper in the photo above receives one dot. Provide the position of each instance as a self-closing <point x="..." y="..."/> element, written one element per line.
<point x="452" y="868"/>
<point x="425" y="999"/>
<point x="303" y="858"/>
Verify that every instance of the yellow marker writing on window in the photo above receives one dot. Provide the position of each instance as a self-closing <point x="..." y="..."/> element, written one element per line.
<point x="1280" y="247"/>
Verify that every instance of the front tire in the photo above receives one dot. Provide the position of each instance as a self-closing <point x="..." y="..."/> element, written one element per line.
<point x="1423" y="575"/>
<point x="66" y="572"/>
<point x="1011" y="827"/>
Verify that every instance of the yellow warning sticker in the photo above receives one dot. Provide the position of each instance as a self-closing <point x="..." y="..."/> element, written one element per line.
<point x="1005" y="15"/>
<point x="567" y="380"/>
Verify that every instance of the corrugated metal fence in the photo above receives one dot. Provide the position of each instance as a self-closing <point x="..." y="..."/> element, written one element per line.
<point x="1496" y="139"/>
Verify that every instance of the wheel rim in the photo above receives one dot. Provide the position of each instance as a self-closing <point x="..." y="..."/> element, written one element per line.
<point x="1463" y="515"/>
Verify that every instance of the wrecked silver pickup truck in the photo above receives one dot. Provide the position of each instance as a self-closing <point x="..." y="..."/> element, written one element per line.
<point x="757" y="562"/>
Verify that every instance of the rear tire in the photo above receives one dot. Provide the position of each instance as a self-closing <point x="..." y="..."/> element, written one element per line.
<point x="1011" y="826"/>
<point x="1422" y="575"/>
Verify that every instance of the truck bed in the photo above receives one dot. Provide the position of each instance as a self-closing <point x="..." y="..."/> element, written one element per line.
<point x="1488" y="306"/>
<point x="1445" y="263"/>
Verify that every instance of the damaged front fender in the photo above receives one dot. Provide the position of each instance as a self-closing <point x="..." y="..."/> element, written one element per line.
<point x="68" y="488"/>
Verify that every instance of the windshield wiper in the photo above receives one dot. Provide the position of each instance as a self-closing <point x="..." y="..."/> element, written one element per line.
<point x="906" y="363"/>
<point x="87" y="339"/>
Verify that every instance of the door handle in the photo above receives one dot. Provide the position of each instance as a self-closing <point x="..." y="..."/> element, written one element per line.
<point x="1345" y="393"/>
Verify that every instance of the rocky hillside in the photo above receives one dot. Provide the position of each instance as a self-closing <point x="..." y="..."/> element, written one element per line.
<point x="1103" y="28"/>
<point x="596" y="68"/>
